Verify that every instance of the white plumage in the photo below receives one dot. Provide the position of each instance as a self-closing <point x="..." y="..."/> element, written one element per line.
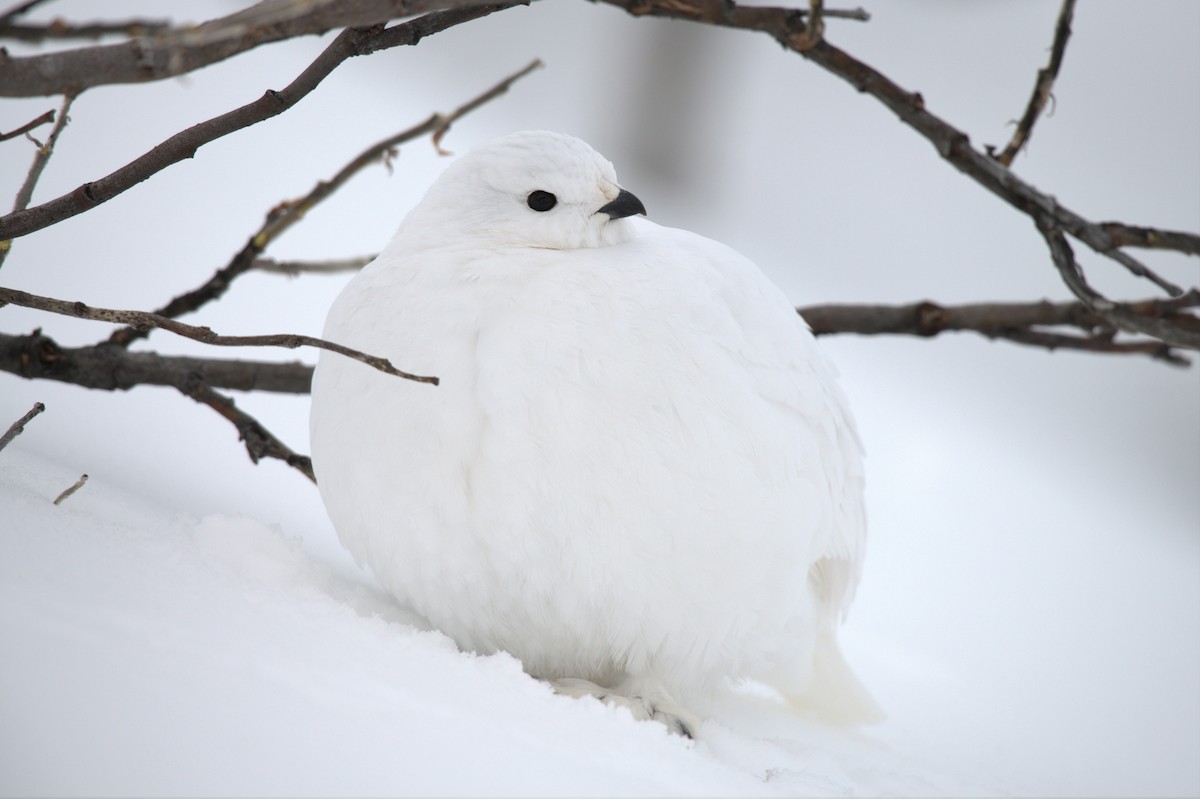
<point x="638" y="470"/>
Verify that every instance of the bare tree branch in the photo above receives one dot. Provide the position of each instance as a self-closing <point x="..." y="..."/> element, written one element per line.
<point x="1120" y="315"/>
<point x="202" y="334"/>
<point x="18" y="427"/>
<point x="350" y="42"/>
<point x="176" y="51"/>
<point x="260" y="442"/>
<point x="1022" y="323"/>
<point x="929" y="318"/>
<point x="814" y="26"/>
<point x="44" y="119"/>
<point x="286" y="214"/>
<point x="1123" y="235"/>
<point x="294" y="268"/>
<point x="60" y="29"/>
<point x="951" y="144"/>
<point x="41" y="157"/>
<point x="19" y="9"/>
<point x="1041" y="88"/>
<point x="1103" y="343"/>
<point x="109" y="368"/>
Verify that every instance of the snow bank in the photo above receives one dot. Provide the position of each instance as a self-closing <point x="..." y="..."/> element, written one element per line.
<point x="147" y="652"/>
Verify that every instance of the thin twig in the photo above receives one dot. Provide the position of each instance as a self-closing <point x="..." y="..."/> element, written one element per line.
<point x="1100" y="343"/>
<point x="1122" y="316"/>
<point x="20" y="8"/>
<point x="350" y="42"/>
<point x="442" y="122"/>
<point x="18" y="427"/>
<point x="1042" y="87"/>
<point x="83" y="478"/>
<point x="41" y="157"/>
<point x="203" y="334"/>
<point x="294" y="268"/>
<point x="260" y="442"/>
<point x="44" y="119"/>
<point x="60" y="29"/>
<point x="286" y="214"/>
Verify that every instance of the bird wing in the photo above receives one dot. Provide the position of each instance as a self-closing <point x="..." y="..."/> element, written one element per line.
<point x="791" y="374"/>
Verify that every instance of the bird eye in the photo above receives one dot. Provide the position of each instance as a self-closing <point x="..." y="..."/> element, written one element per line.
<point x="541" y="200"/>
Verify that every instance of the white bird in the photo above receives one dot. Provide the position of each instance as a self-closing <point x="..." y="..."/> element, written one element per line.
<point x="637" y="475"/>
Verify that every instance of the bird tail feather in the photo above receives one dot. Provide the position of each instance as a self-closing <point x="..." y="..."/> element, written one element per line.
<point x="834" y="694"/>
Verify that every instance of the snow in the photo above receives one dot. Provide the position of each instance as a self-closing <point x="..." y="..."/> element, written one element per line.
<point x="150" y="652"/>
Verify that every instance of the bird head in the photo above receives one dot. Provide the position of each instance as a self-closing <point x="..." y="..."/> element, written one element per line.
<point x="529" y="189"/>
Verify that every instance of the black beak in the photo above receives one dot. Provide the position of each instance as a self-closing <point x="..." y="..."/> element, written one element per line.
<point x="625" y="205"/>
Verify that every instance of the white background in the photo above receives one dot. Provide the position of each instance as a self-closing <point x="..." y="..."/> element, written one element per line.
<point x="1031" y="605"/>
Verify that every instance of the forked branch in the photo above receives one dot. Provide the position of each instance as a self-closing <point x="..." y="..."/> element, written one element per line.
<point x="350" y="42"/>
<point x="44" y="119"/>
<point x="178" y="50"/>
<point x="41" y="157"/>
<point x="260" y="442"/>
<point x="141" y="319"/>
<point x="786" y="27"/>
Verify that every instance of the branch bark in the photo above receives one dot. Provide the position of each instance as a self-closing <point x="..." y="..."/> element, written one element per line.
<point x="296" y="268"/>
<point x="18" y="427"/>
<point x="1123" y="235"/>
<point x="1120" y="315"/>
<point x="929" y="318"/>
<point x="202" y="334"/>
<point x="177" y="51"/>
<point x="1022" y="323"/>
<point x="350" y="42"/>
<point x="58" y="29"/>
<point x="109" y="368"/>
<point x="1042" y="87"/>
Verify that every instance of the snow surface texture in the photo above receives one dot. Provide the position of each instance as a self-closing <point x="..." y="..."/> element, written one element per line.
<point x="147" y="652"/>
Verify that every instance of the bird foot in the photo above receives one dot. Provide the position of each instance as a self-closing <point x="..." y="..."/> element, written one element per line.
<point x="643" y="707"/>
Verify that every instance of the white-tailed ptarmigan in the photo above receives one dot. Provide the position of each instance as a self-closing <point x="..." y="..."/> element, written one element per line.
<point x="637" y="475"/>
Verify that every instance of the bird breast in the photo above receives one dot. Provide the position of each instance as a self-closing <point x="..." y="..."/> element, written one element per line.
<point x="622" y="468"/>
